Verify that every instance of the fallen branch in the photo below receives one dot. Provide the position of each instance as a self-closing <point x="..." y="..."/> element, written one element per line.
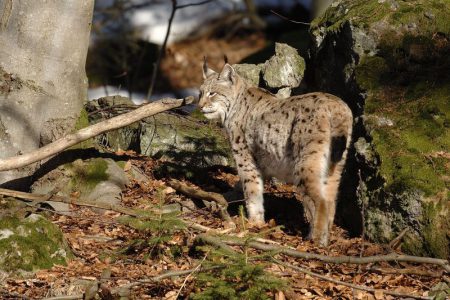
<point x="40" y="198"/>
<point x="200" y="194"/>
<point x="407" y="271"/>
<point x="396" y="242"/>
<point x="347" y="284"/>
<point x="334" y="259"/>
<point x="92" y="131"/>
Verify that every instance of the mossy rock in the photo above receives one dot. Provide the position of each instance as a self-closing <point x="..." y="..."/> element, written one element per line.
<point x="31" y="244"/>
<point x="188" y="144"/>
<point x="187" y="140"/>
<point x="390" y="61"/>
<point x="95" y="180"/>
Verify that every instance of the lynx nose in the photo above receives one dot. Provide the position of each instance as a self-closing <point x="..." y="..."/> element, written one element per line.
<point x="202" y="103"/>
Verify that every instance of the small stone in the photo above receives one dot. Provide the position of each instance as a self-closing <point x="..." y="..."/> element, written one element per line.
<point x="429" y="15"/>
<point x="168" y="191"/>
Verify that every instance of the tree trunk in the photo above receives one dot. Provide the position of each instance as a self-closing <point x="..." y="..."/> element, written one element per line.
<point x="43" y="84"/>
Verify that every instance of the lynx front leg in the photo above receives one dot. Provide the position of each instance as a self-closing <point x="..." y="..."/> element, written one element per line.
<point x="253" y="191"/>
<point x="252" y="184"/>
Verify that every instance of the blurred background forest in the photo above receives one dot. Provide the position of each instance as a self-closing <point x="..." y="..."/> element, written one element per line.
<point x="127" y="37"/>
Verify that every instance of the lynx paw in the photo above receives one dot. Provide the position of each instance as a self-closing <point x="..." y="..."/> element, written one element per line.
<point x="257" y="220"/>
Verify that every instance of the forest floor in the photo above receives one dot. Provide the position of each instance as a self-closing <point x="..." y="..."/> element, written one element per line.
<point x="123" y="258"/>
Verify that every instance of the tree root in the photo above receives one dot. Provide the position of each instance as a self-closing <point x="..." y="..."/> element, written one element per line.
<point x="200" y="194"/>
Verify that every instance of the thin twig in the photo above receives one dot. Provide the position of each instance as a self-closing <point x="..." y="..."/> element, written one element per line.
<point x="287" y="19"/>
<point x="397" y="241"/>
<point x="162" y="51"/>
<point x="336" y="259"/>
<point x="190" y="274"/>
<point x="194" y="4"/>
<point x="350" y="285"/>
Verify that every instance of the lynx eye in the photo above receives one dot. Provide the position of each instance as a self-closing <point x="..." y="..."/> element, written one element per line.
<point x="212" y="94"/>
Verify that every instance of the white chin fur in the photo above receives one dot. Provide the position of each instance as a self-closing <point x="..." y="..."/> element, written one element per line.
<point x="211" y="115"/>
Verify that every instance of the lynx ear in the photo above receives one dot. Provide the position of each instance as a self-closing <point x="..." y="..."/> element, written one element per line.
<point x="206" y="71"/>
<point x="228" y="73"/>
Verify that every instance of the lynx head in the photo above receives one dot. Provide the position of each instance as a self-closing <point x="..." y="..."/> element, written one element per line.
<point x="218" y="91"/>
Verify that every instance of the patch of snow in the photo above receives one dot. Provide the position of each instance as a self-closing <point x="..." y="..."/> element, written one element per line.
<point x="5" y="233"/>
<point x="137" y="98"/>
<point x="33" y="218"/>
<point x="60" y="253"/>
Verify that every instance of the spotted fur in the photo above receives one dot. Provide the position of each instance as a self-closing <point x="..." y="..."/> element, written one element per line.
<point x="301" y="140"/>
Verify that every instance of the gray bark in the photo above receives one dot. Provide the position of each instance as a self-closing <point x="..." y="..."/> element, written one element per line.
<point x="43" y="47"/>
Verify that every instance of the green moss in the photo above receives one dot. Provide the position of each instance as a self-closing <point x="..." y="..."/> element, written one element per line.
<point x="428" y="15"/>
<point x="413" y="245"/>
<point x="407" y="149"/>
<point x="437" y="228"/>
<point x="87" y="175"/>
<point x="121" y="163"/>
<point x="31" y="244"/>
<point x="370" y="71"/>
<point x="198" y="115"/>
<point x="413" y="92"/>
<point x="83" y="122"/>
<point x="360" y="13"/>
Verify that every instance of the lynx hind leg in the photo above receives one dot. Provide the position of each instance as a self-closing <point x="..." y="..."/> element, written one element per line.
<point x="332" y="188"/>
<point x="311" y="179"/>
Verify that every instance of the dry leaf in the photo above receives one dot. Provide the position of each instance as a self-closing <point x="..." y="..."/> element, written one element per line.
<point x="127" y="166"/>
<point x="379" y="294"/>
<point x="172" y="295"/>
<point x="280" y="296"/>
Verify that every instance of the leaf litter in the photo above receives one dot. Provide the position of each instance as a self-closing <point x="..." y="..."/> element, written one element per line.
<point x="103" y="245"/>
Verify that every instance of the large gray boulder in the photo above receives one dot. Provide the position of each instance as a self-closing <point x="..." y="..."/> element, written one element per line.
<point x="389" y="60"/>
<point x="282" y="72"/>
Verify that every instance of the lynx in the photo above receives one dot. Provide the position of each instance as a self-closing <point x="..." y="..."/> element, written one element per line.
<point x="301" y="140"/>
